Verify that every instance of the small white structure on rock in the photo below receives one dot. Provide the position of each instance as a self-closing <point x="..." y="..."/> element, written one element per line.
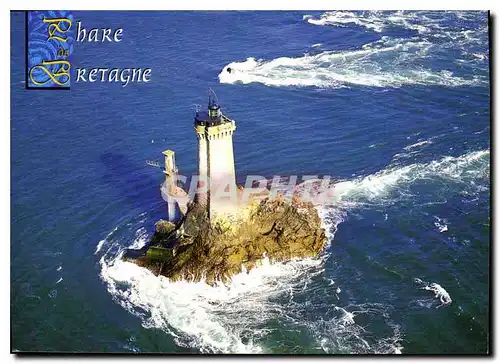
<point x="174" y="195"/>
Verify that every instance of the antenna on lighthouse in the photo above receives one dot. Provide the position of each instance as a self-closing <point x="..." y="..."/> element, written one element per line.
<point x="212" y="98"/>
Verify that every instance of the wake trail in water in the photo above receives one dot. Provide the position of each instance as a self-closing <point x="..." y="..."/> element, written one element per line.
<point x="387" y="62"/>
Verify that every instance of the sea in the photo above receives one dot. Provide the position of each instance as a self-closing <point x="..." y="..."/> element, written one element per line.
<point x="394" y="105"/>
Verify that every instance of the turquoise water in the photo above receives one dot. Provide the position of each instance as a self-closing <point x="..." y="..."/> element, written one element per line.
<point x="395" y="106"/>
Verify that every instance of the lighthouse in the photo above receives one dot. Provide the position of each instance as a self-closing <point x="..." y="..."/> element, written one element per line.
<point x="216" y="174"/>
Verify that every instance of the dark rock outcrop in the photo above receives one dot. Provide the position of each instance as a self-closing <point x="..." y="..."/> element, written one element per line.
<point x="197" y="250"/>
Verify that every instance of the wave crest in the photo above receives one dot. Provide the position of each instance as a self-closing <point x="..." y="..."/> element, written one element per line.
<point x="423" y="22"/>
<point x="215" y="319"/>
<point x="464" y="169"/>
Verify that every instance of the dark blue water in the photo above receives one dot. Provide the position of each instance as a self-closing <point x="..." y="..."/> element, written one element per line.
<point x="393" y="105"/>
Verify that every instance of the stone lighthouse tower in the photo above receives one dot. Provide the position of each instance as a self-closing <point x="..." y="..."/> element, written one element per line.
<point x="217" y="186"/>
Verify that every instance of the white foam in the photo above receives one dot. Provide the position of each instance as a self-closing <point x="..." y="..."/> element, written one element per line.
<point x="384" y="63"/>
<point x="446" y="30"/>
<point x="223" y="318"/>
<point x="441" y="224"/>
<point x="423" y="22"/>
<point x="234" y="318"/>
<point x="418" y="144"/>
<point x="440" y="293"/>
<point x="101" y="242"/>
<point x="347" y="317"/>
<point x="480" y="56"/>
<point x="375" y="187"/>
<point x="341" y="18"/>
<point x="387" y="62"/>
<point x="410" y="151"/>
<point x="372" y="186"/>
<point x="330" y="219"/>
<point x="141" y="238"/>
<point x="342" y="334"/>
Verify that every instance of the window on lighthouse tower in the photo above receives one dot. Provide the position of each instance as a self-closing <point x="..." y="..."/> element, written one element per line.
<point x="214" y="112"/>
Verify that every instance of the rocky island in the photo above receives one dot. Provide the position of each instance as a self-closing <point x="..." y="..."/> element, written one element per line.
<point x="225" y="229"/>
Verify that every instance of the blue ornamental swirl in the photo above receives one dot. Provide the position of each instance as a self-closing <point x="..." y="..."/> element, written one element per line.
<point x="41" y="49"/>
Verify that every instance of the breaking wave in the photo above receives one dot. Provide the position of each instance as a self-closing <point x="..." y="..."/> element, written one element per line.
<point x="387" y="62"/>
<point x="215" y="319"/>
<point x="101" y="242"/>
<point x="238" y="317"/>
<point x="423" y="22"/>
<point x="273" y="299"/>
<point x="382" y="186"/>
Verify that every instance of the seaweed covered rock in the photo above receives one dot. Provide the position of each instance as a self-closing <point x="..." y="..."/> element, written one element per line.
<point x="165" y="234"/>
<point x="164" y="227"/>
<point x="198" y="249"/>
